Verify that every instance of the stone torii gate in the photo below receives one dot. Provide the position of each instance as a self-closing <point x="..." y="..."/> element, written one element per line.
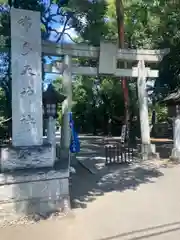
<point x="107" y="54"/>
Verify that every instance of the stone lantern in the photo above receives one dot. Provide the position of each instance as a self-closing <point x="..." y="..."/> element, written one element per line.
<point x="173" y="103"/>
<point x="51" y="98"/>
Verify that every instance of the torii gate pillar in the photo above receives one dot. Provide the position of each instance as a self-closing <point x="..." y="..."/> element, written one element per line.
<point x="66" y="107"/>
<point x="147" y="148"/>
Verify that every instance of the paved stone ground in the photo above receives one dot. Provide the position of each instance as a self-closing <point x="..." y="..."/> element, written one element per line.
<point x="134" y="202"/>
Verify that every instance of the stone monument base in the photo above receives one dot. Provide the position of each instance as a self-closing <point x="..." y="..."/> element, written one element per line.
<point x="148" y="152"/>
<point x="27" y="157"/>
<point x="175" y="155"/>
<point x="32" y="194"/>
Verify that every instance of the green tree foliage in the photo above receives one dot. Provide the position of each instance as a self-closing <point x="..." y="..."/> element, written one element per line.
<point x="97" y="101"/>
<point x="168" y="36"/>
<point x="148" y="24"/>
<point x="88" y="19"/>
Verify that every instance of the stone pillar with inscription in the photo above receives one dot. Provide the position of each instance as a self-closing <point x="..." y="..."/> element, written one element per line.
<point x="27" y="148"/>
<point x="26" y="78"/>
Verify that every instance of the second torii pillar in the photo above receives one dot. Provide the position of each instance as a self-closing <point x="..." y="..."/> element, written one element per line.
<point x="147" y="149"/>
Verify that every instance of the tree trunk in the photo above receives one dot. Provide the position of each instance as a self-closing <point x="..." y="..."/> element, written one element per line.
<point x="120" y="25"/>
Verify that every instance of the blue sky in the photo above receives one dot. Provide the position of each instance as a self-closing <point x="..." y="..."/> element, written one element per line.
<point x="65" y="38"/>
<point x="58" y="27"/>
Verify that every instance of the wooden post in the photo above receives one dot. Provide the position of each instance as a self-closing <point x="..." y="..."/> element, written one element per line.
<point x="66" y="107"/>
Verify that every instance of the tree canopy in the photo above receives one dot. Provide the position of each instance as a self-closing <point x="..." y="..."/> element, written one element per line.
<point x="149" y="24"/>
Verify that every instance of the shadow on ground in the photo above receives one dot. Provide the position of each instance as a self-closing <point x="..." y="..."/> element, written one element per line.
<point x="86" y="187"/>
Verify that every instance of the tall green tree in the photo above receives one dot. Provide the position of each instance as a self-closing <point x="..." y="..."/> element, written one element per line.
<point x="170" y="38"/>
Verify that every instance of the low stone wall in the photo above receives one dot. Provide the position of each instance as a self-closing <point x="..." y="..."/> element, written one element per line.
<point x="33" y="194"/>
